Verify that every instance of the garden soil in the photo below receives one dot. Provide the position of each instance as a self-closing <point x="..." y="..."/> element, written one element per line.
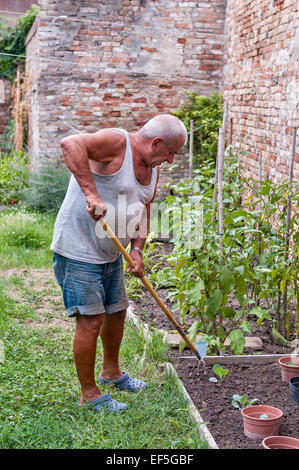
<point x="214" y="400"/>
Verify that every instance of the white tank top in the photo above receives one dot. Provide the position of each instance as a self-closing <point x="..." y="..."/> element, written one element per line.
<point x="79" y="237"/>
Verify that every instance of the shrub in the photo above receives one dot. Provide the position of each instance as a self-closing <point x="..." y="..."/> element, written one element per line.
<point x="7" y="144"/>
<point x="47" y="188"/>
<point x="223" y="287"/>
<point x="206" y="112"/>
<point x="13" y="176"/>
<point x="12" y="41"/>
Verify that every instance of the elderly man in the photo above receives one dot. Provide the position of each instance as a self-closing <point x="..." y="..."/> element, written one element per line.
<point x="114" y="174"/>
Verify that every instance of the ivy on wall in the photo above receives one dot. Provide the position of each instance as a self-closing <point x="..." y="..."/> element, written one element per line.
<point x="12" y="41"/>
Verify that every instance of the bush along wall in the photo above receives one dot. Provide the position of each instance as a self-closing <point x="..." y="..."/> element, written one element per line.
<point x="13" y="42"/>
<point x="206" y="113"/>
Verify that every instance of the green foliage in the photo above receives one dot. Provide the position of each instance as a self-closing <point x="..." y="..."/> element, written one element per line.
<point x="240" y="401"/>
<point x="38" y="410"/>
<point x="13" y="42"/>
<point x="206" y="112"/>
<point x="7" y="138"/>
<point x="14" y="176"/>
<point x="25" y="238"/>
<point x="21" y="228"/>
<point x="47" y="188"/>
<point x="220" y="371"/>
<point x="222" y="288"/>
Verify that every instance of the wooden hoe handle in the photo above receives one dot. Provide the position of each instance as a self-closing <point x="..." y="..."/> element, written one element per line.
<point x="148" y="286"/>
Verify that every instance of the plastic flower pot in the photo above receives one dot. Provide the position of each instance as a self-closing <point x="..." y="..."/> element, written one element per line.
<point x="294" y="389"/>
<point x="287" y="370"/>
<point x="280" y="442"/>
<point x="261" y="421"/>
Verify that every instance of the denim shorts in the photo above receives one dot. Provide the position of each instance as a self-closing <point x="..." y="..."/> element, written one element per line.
<point x="91" y="289"/>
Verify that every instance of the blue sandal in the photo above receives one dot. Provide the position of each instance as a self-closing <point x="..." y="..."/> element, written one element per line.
<point x="106" y="402"/>
<point x="125" y="382"/>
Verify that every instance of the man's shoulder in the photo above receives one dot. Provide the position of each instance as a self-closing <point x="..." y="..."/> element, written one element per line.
<point x="110" y="133"/>
<point x="109" y="140"/>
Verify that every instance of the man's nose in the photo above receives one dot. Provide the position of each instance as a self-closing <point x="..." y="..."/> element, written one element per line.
<point x="170" y="159"/>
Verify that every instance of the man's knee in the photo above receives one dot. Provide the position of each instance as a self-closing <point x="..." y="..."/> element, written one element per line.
<point x="89" y="323"/>
<point x="122" y="314"/>
<point x="117" y="316"/>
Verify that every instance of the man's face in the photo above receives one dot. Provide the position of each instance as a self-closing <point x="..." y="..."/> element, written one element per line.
<point x="162" y="152"/>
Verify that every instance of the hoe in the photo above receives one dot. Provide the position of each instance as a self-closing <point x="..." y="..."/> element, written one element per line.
<point x="149" y="287"/>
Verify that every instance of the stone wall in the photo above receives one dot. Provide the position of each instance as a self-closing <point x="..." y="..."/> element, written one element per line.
<point x="261" y="82"/>
<point x="117" y="63"/>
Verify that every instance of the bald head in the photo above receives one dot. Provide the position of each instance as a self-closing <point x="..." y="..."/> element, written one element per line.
<point x="166" y="126"/>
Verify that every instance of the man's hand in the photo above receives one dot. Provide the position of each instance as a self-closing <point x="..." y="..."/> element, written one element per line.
<point x="96" y="207"/>
<point x="138" y="271"/>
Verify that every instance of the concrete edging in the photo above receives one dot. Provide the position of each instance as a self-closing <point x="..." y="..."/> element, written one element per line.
<point x="249" y="358"/>
<point x="202" y="428"/>
<point x="203" y="431"/>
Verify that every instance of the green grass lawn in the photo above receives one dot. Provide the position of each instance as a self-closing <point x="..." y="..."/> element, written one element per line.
<point x="39" y="386"/>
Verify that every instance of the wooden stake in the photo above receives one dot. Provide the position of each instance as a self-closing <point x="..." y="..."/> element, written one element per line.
<point x="220" y="185"/>
<point x="284" y="329"/>
<point x="220" y="170"/>
<point x="230" y="142"/>
<point x="259" y="238"/>
<point x="216" y="182"/>
<point x="17" y="113"/>
<point x="217" y="160"/>
<point x="191" y="150"/>
<point x="230" y="136"/>
<point x="260" y="167"/>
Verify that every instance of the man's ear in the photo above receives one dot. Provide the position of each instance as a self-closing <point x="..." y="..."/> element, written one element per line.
<point x="156" y="141"/>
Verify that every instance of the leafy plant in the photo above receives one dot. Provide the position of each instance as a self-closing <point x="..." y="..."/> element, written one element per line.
<point x="220" y="371"/>
<point x="13" y="42"/>
<point x="7" y="138"/>
<point x="240" y="401"/>
<point x="222" y="288"/>
<point x="47" y="188"/>
<point x="14" y="176"/>
<point x="206" y="113"/>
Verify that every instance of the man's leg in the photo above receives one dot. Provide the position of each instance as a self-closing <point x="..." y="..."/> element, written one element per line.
<point x="88" y="327"/>
<point x="111" y="332"/>
<point x="84" y="347"/>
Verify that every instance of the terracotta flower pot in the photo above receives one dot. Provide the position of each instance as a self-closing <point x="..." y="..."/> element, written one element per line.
<point x="288" y="371"/>
<point x="261" y="421"/>
<point x="294" y="389"/>
<point x="280" y="442"/>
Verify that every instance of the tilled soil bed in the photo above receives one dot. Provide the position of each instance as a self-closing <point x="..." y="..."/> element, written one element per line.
<point x="214" y="400"/>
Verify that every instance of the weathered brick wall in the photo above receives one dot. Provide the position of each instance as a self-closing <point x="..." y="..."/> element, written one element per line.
<point x="5" y="104"/>
<point x="120" y="62"/>
<point x="261" y="82"/>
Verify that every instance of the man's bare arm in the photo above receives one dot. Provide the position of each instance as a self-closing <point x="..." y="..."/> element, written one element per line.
<point x="139" y="242"/>
<point x="78" y="150"/>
